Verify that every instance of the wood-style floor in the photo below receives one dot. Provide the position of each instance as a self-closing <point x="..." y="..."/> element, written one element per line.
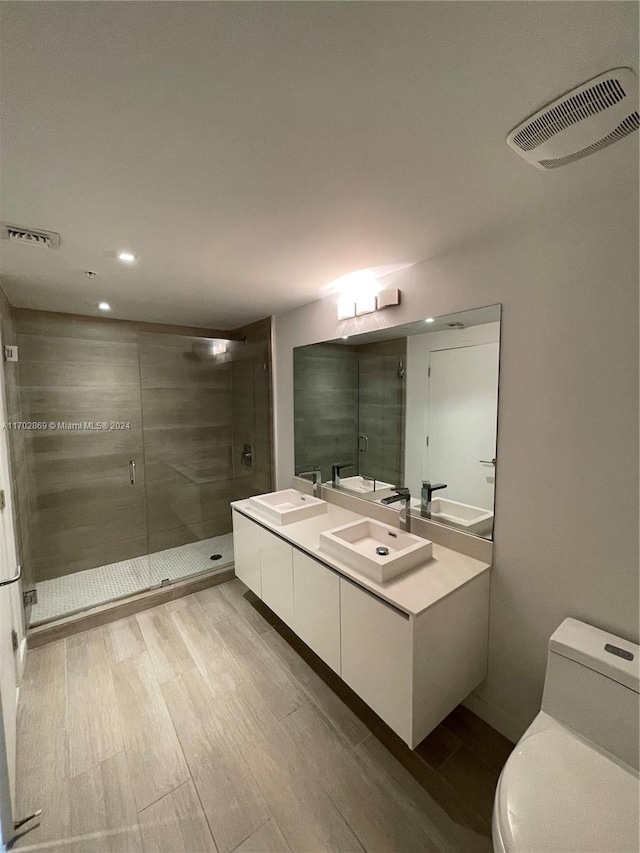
<point x="205" y="725"/>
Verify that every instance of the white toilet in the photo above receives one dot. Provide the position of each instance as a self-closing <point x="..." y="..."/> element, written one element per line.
<point x="571" y="783"/>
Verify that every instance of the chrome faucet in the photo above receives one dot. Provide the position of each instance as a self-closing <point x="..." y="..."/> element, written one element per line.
<point x="425" y="498"/>
<point x="404" y="495"/>
<point x="335" y="473"/>
<point x="316" y="477"/>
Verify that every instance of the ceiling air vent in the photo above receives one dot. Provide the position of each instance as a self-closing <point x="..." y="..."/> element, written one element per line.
<point x="581" y="122"/>
<point x="30" y="236"/>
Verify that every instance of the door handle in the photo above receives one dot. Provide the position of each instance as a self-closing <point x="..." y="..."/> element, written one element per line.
<point x="488" y="461"/>
<point x="14" y="579"/>
<point x="365" y="439"/>
<point x="132" y="472"/>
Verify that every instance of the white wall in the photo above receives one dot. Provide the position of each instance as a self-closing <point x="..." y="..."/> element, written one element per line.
<point x="419" y="348"/>
<point x="566" y="535"/>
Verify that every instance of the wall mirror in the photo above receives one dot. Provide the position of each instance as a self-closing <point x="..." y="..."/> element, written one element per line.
<point x="411" y="406"/>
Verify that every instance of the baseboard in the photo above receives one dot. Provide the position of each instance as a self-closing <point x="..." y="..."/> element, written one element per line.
<point x="505" y="723"/>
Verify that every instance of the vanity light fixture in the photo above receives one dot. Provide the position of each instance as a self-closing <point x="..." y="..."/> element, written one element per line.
<point x="104" y="306"/>
<point x="218" y="347"/>
<point x="366" y="304"/>
<point x="127" y="257"/>
<point x="346" y="309"/>
<point x="360" y="293"/>
<point x="388" y="298"/>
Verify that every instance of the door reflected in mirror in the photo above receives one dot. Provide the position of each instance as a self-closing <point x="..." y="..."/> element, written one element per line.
<point x="411" y="406"/>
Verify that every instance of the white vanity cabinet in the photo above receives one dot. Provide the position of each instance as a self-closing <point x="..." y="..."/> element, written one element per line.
<point x="246" y="552"/>
<point x="376" y="655"/>
<point x="263" y="562"/>
<point x="317" y="608"/>
<point x="411" y="668"/>
<point x="276" y="566"/>
<point x="414" y="670"/>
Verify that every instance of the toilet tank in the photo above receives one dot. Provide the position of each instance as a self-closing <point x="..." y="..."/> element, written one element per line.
<point x="592" y="686"/>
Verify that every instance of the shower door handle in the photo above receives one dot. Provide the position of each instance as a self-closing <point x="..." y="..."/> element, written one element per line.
<point x="132" y="472"/>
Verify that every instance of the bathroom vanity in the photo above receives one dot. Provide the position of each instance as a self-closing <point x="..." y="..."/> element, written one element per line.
<point x="412" y="647"/>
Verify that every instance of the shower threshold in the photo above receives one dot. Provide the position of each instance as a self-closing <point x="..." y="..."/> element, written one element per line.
<point x="74" y="593"/>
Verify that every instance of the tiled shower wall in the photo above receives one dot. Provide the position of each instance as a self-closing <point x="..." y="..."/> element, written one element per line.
<point x="342" y="391"/>
<point x="381" y="409"/>
<point x="326" y="407"/>
<point x="179" y="401"/>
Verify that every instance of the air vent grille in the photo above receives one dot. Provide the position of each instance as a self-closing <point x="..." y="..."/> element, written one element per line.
<point x="574" y="109"/>
<point x="30" y="236"/>
<point x="626" y="127"/>
<point x="585" y="120"/>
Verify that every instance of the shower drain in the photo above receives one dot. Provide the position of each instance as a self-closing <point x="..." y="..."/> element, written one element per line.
<point x="215" y="557"/>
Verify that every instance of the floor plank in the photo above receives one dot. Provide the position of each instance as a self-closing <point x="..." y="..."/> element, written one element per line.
<point x="176" y="824"/>
<point x="380" y="822"/>
<point x="448" y="831"/>
<point x="93" y="719"/>
<point x="123" y="639"/>
<point x="341" y="716"/>
<point x="42" y="777"/>
<point x="167" y="649"/>
<point x="465" y="771"/>
<point x="248" y="605"/>
<point x="155" y="759"/>
<point x="230" y="796"/>
<point x="103" y="811"/>
<point x="268" y="839"/>
<point x="216" y="605"/>
<point x="217" y="665"/>
<point x="281" y="693"/>
<point x="306" y="815"/>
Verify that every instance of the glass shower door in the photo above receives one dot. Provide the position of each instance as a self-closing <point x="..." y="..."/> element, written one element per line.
<point x="187" y="426"/>
<point x="381" y="416"/>
<point x="86" y="541"/>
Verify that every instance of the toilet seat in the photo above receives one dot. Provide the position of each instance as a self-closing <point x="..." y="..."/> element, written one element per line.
<point x="559" y="794"/>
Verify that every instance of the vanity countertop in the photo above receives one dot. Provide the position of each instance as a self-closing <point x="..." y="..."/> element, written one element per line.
<point x="412" y="592"/>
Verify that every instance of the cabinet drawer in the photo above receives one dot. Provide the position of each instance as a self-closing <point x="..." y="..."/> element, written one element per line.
<point x="277" y="576"/>
<point x="377" y="655"/>
<point x="317" y="608"/>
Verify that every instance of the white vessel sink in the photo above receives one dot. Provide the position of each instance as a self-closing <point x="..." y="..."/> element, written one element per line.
<point x="355" y="545"/>
<point x="365" y="486"/>
<point x="471" y="519"/>
<point x="287" y="506"/>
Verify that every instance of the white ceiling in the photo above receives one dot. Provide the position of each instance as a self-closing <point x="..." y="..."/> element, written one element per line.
<point x="249" y="153"/>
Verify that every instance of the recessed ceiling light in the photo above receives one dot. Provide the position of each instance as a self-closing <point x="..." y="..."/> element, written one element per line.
<point x="345" y="337"/>
<point x="429" y="320"/>
<point x="126" y="257"/>
<point x="104" y="306"/>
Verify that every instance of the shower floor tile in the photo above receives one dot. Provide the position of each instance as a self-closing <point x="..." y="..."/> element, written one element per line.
<point x="79" y="591"/>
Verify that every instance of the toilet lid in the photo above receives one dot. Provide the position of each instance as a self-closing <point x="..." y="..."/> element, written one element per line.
<point x="559" y="795"/>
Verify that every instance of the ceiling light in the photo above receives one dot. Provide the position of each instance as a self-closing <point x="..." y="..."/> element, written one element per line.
<point x="429" y="320"/>
<point x="126" y="257"/>
<point x="345" y="337"/>
<point x="104" y="306"/>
